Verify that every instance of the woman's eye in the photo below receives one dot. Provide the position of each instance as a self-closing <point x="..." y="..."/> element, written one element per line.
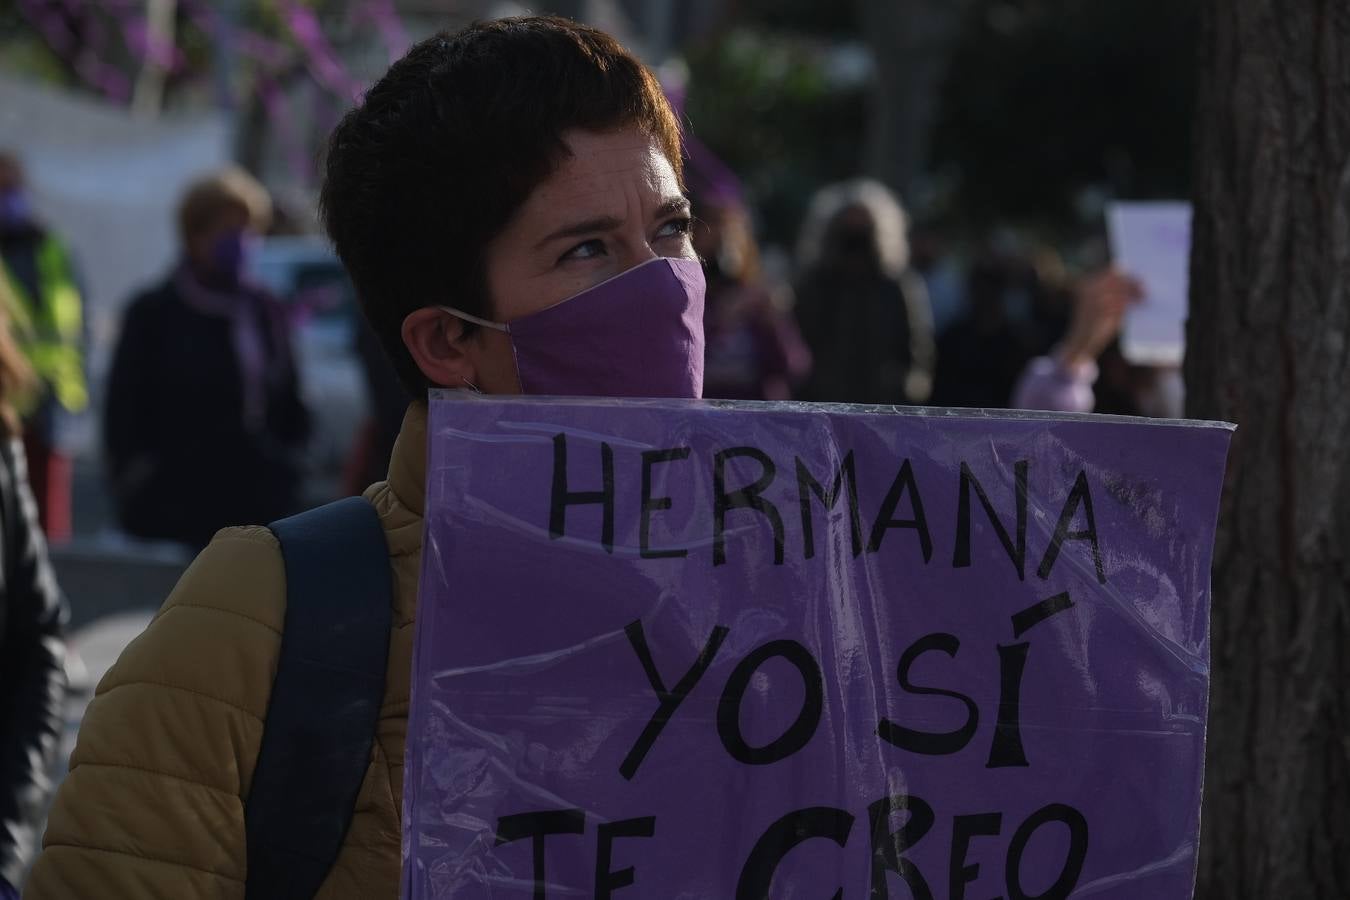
<point x="586" y="250"/>
<point x="676" y="228"/>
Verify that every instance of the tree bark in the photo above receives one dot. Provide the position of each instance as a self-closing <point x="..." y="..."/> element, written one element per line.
<point x="147" y="98"/>
<point x="1269" y="348"/>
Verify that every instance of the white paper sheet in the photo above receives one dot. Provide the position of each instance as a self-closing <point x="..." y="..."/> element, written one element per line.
<point x="1152" y="242"/>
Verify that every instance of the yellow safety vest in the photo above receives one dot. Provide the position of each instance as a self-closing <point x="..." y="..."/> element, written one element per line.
<point x="49" y="329"/>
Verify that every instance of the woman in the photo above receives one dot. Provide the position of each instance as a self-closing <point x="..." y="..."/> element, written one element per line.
<point x="754" y="351"/>
<point x="32" y="655"/>
<point x="489" y="176"/>
<point x="863" y="310"/>
<point x="39" y="270"/>
<point x="205" y="425"/>
<point x="980" y="356"/>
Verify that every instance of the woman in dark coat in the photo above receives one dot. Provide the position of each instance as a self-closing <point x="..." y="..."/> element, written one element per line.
<point x="32" y="654"/>
<point x="863" y="310"/>
<point x="205" y="426"/>
<point x="754" y="350"/>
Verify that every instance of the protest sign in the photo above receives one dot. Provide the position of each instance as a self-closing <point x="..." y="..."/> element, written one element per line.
<point x="685" y="650"/>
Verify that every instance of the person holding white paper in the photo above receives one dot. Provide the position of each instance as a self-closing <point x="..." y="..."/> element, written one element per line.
<point x="1063" y="381"/>
<point x="1088" y="370"/>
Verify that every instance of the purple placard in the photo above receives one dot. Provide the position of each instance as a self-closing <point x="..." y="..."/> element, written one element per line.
<point x="912" y="701"/>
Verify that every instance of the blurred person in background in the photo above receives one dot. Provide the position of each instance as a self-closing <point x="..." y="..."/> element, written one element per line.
<point x="46" y="312"/>
<point x="32" y="617"/>
<point x="980" y="356"/>
<point x="754" y="350"/>
<point x="1052" y="292"/>
<point x="205" y="426"/>
<point x="943" y="274"/>
<point x="863" y="311"/>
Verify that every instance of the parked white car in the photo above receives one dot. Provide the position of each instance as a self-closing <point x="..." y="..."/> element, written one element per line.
<point x="307" y="276"/>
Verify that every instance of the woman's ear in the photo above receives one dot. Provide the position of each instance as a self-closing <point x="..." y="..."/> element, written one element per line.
<point x="440" y="348"/>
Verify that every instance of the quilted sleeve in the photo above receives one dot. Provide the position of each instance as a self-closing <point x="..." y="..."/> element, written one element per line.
<point x="153" y="806"/>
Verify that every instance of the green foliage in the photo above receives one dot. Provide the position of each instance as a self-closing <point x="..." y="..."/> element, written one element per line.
<point x="26" y="56"/>
<point x="1045" y="101"/>
<point x="766" y="103"/>
<point x="1047" y="98"/>
<point x="812" y="17"/>
<point x="23" y="52"/>
<point x="26" y="49"/>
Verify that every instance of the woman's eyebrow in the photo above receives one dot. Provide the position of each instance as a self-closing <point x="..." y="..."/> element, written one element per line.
<point x="609" y="223"/>
<point x="672" y="206"/>
<point x="577" y="229"/>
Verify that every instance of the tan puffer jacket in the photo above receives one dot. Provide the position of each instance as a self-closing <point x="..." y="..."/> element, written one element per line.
<point x="154" y="803"/>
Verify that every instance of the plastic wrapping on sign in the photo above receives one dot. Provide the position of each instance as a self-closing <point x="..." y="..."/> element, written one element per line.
<point x="715" y="650"/>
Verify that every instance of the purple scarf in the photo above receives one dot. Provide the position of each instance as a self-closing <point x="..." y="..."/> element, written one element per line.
<point x="246" y="309"/>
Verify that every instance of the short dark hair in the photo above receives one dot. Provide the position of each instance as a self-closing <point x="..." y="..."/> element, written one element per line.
<point x="448" y="145"/>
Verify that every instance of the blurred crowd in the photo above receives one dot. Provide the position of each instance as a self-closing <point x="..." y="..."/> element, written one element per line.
<point x="205" y="376"/>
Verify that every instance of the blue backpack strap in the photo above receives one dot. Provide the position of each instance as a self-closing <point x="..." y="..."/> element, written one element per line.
<point x="326" y="697"/>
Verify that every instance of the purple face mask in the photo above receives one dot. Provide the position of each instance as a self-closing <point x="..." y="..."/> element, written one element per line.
<point x="232" y="253"/>
<point x="639" y="334"/>
<point x="15" y="208"/>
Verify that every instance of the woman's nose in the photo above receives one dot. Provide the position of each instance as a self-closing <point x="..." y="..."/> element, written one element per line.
<point x="642" y="252"/>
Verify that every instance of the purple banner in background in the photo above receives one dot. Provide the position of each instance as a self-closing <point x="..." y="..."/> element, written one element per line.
<point x="685" y="650"/>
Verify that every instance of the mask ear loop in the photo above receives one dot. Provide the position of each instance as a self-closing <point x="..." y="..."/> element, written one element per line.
<point x="495" y="326"/>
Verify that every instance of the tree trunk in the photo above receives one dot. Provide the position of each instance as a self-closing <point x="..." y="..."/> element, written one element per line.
<point x="147" y="98"/>
<point x="1269" y="348"/>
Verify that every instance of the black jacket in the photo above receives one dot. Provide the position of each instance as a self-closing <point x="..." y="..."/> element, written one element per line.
<point x="871" y="337"/>
<point x="183" y="461"/>
<point x="32" y="666"/>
